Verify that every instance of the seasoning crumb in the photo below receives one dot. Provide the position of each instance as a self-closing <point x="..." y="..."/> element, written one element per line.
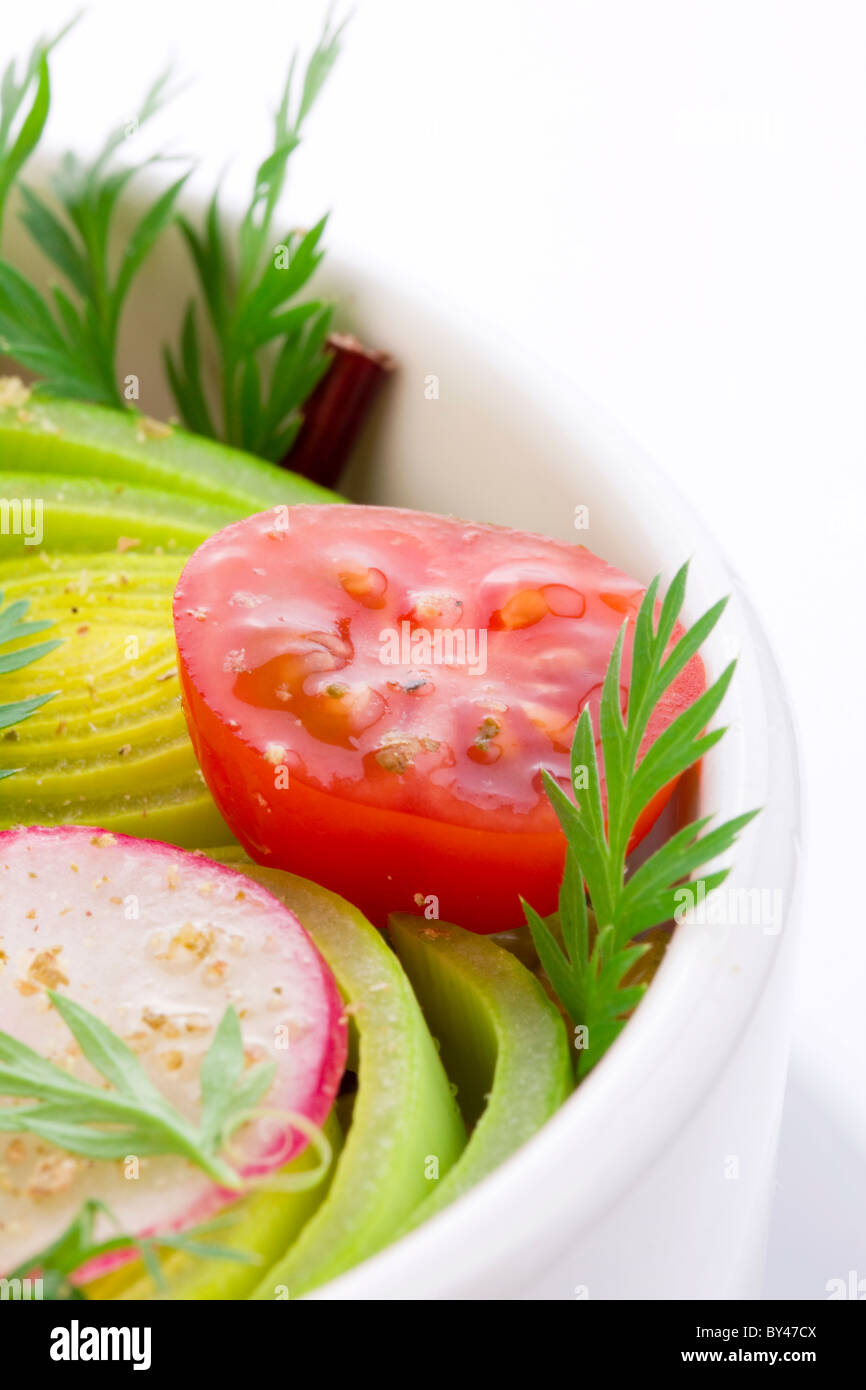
<point x="52" y="1174"/>
<point x="148" y="428"/>
<point x="399" y="751"/>
<point x="44" y="969"/>
<point x="13" y="392"/>
<point x="196" y="941"/>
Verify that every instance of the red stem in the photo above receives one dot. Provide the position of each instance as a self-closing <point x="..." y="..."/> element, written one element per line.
<point x="337" y="410"/>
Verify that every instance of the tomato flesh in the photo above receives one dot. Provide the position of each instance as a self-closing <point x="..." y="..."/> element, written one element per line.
<point x="373" y="694"/>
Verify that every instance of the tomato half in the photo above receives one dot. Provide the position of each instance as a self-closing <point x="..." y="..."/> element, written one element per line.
<point x="373" y="693"/>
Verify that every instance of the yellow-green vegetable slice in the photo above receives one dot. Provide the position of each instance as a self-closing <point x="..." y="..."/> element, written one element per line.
<point x="406" y="1127"/>
<point x="112" y="748"/>
<point x="501" y="1039"/>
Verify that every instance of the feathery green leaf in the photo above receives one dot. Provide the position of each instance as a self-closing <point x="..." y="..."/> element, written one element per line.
<point x="13" y="629"/>
<point x="69" y="339"/>
<point x="129" y="1115"/>
<point x="271" y="351"/>
<point x="592" y="968"/>
<point x="77" y="1245"/>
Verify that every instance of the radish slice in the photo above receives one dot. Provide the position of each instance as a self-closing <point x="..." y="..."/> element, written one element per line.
<point x="157" y="943"/>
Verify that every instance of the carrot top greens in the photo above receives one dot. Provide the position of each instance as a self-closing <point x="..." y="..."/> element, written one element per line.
<point x="12" y="628"/>
<point x="247" y="303"/>
<point x="129" y="1115"/>
<point x="78" y="1244"/>
<point x="24" y="104"/>
<point x="590" y="969"/>
<point x="270" y="347"/>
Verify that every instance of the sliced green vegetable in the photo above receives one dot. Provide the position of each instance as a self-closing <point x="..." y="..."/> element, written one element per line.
<point x="501" y="1039"/>
<point x="265" y="1224"/>
<point x="92" y="514"/>
<point x="112" y="748"/>
<point x="67" y="437"/>
<point x="406" y="1128"/>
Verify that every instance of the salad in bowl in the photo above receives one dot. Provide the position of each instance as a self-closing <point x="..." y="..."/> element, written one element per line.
<point x="339" y="841"/>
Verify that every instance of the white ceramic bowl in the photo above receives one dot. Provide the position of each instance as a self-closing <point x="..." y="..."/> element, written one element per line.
<point x="654" y="1180"/>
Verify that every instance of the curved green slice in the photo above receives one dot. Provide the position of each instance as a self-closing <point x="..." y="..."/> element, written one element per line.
<point x="84" y="513"/>
<point x="501" y="1039"/>
<point x="264" y="1224"/>
<point x="405" y="1121"/>
<point x="45" y="436"/>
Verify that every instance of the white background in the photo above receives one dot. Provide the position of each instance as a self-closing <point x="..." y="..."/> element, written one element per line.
<point x="667" y="198"/>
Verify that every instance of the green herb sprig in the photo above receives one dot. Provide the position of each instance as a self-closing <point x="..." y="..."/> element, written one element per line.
<point x="271" y="352"/>
<point x="270" y="347"/>
<point x="77" y="1245"/>
<point x="69" y="340"/>
<point x="12" y="629"/>
<point x="129" y="1115"/>
<point x="31" y="95"/>
<point x="590" y="969"/>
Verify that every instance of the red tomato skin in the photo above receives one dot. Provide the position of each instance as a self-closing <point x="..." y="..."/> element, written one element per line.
<point x="385" y="859"/>
<point x="371" y="856"/>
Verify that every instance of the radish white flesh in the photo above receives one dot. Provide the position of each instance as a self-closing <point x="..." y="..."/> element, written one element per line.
<point x="157" y="943"/>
